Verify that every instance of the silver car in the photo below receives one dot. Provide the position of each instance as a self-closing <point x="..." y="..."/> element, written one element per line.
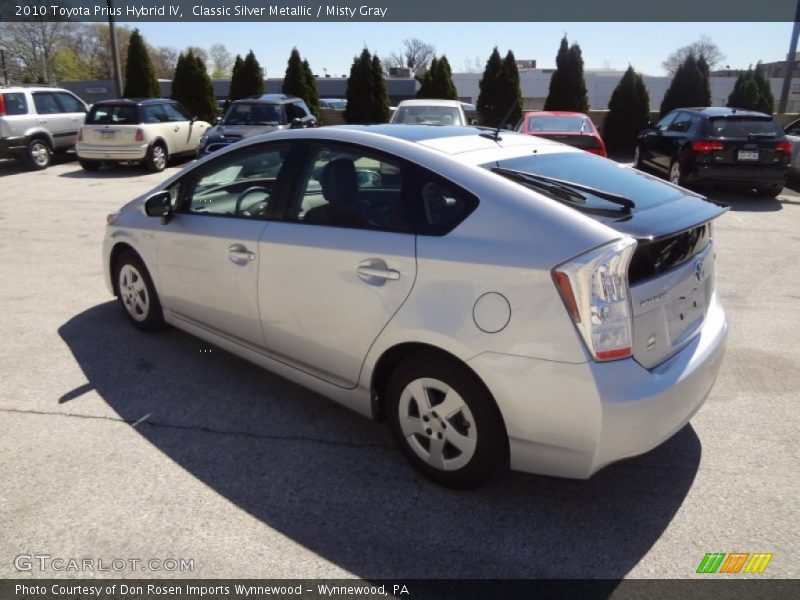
<point x="488" y="295"/>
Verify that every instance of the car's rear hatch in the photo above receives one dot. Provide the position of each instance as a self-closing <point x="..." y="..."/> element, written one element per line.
<point x="671" y="274"/>
<point x="111" y="125"/>
<point x="743" y="140"/>
<point x="585" y="142"/>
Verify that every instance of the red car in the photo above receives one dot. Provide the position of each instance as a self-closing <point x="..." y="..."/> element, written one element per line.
<point x="572" y="128"/>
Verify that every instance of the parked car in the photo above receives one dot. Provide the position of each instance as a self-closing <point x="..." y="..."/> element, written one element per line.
<point x="572" y="128"/>
<point x="37" y="121"/>
<point x="429" y="112"/>
<point x="333" y="103"/>
<point x="792" y="132"/>
<point x="487" y="295"/>
<point x="132" y="131"/>
<point x="245" y="118"/>
<point x="708" y="146"/>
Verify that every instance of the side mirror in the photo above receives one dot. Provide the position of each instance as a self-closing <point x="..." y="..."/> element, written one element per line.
<point x="296" y="122"/>
<point x="193" y="119"/>
<point x="159" y="205"/>
<point x="217" y="120"/>
<point x="473" y="121"/>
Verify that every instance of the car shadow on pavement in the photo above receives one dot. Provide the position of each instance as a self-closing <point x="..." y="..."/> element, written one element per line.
<point x="332" y="480"/>
<point x="120" y="171"/>
<point x="744" y="201"/>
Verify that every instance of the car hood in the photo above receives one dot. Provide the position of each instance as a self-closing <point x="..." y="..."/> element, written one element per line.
<point x="238" y="132"/>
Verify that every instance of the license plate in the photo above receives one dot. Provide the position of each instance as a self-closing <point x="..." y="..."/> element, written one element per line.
<point x="107" y="135"/>
<point x="748" y="155"/>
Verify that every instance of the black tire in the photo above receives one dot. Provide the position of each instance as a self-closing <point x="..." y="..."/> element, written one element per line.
<point x="488" y="444"/>
<point x="157" y="157"/>
<point x="136" y="293"/>
<point x="770" y="192"/>
<point x="38" y="154"/>
<point x="89" y="165"/>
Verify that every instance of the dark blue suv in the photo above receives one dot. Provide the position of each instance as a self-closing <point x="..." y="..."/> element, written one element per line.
<point x="708" y="146"/>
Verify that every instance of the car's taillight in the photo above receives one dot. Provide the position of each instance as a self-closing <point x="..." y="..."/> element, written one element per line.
<point x="594" y="287"/>
<point x="706" y="146"/>
<point x="139" y="135"/>
<point x="784" y="147"/>
<point x="598" y="152"/>
<point x="110" y="218"/>
<point x="2" y="106"/>
<point x="80" y="134"/>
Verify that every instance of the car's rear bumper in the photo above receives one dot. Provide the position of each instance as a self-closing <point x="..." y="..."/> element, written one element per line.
<point x="12" y="145"/>
<point x="570" y="420"/>
<point x="111" y="153"/>
<point x="737" y="174"/>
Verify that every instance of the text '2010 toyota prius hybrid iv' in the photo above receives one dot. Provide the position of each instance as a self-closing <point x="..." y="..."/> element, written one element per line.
<point x="488" y="295"/>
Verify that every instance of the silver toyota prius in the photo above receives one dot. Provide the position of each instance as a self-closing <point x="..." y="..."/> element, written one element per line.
<point x="488" y="294"/>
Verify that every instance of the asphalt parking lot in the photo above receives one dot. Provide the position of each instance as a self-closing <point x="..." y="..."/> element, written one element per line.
<point x="119" y="444"/>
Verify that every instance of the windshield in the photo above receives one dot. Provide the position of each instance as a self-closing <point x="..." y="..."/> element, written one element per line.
<point x="558" y="124"/>
<point x="427" y="115"/>
<point x="595" y="172"/>
<point x="252" y="113"/>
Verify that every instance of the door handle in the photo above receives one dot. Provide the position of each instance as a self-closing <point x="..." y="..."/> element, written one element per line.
<point x="378" y="272"/>
<point x="239" y="254"/>
<point x="177" y="128"/>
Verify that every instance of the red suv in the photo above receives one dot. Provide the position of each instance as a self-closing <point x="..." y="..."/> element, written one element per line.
<point x="571" y="128"/>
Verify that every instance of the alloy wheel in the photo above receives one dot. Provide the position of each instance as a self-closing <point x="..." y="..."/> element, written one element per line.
<point x="675" y="173"/>
<point x="133" y="292"/>
<point x="39" y="154"/>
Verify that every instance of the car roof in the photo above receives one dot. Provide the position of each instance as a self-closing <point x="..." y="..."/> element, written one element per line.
<point x="134" y="101"/>
<point x="262" y="100"/>
<point x="429" y="102"/>
<point x="15" y="89"/>
<point x="723" y="111"/>
<point x="275" y="98"/>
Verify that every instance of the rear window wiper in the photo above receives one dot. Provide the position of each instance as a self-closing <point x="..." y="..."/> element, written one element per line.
<point x="566" y="189"/>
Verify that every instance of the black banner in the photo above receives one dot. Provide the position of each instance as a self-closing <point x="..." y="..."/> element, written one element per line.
<point x="412" y="11"/>
<point x="714" y="587"/>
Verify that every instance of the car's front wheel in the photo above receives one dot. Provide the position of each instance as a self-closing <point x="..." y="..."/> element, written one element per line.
<point x="136" y="292"/>
<point x="445" y="421"/>
<point x="157" y="157"/>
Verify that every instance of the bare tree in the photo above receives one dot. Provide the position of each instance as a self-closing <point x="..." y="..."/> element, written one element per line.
<point x="704" y="47"/>
<point x="221" y="61"/>
<point x="164" y="60"/>
<point x="197" y="51"/>
<point x="32" y="46"/>
<point x="474" y="65"/>
<point x="415" y="54"/>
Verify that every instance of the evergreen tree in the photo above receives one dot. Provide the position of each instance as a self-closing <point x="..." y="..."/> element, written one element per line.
<point x="294" y="80"/>
<point x="444" y="86"/>
<point x="489" y="105"/>
<point x="702" y="64"/>
<point x="312" y="97"/>
<point x="140" y="76"/>
<point x="567" y="84"/>
<point x="426" y="88"/>
<point x="367" y="101"/>
<point x="686" y="88"/>
<point x="745" y="92"/>
<point x="510" y="94"/>
<point x="248" y="80"/>
<point x="628" y="112"/>
<point x="766" y="101"/>
<point x="192" y="87"/>
<point x="557" y="94"/>
<point x="236" y="77"/>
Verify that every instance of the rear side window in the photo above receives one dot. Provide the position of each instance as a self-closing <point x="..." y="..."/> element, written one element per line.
<point x="744" y="127"/>
<point x="15" y="104"/>
<point x="112" y="115"/>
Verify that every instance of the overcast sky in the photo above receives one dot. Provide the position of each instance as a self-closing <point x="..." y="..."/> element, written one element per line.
<point x="332" y="46"/>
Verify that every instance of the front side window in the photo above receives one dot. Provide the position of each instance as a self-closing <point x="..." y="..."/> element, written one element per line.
<point x="176" y="112"/>
<point x="348" y="187"/>
<point x="70" y="103"/>
<point x="682" y="123"/>
<point x="46" y="103"/>
<point x="240" y="184"/>
<point x="155" y="113"/>
<point x="297" y="110"/>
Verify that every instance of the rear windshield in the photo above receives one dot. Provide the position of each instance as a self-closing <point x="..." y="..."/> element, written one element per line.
<point x="577" y="141"/>
<point x="744" y="127"/>
<point x="602" y="174"/>
<point x="112" y="115"/>
<point x="555" y="124"/>
<point x="253" y="113"/>
<point x="15" y="104"/>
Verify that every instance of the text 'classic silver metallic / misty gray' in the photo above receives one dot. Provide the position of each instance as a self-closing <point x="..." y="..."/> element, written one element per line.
<point x="488" y="295"/>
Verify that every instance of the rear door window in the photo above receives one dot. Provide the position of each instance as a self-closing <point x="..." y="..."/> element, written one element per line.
<point x="15" y="104"/>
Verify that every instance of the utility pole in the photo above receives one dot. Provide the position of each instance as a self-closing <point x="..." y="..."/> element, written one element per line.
<point x="787" y="78"/>
<point x="5" y="72"/>
<point x="114" y="53"/>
